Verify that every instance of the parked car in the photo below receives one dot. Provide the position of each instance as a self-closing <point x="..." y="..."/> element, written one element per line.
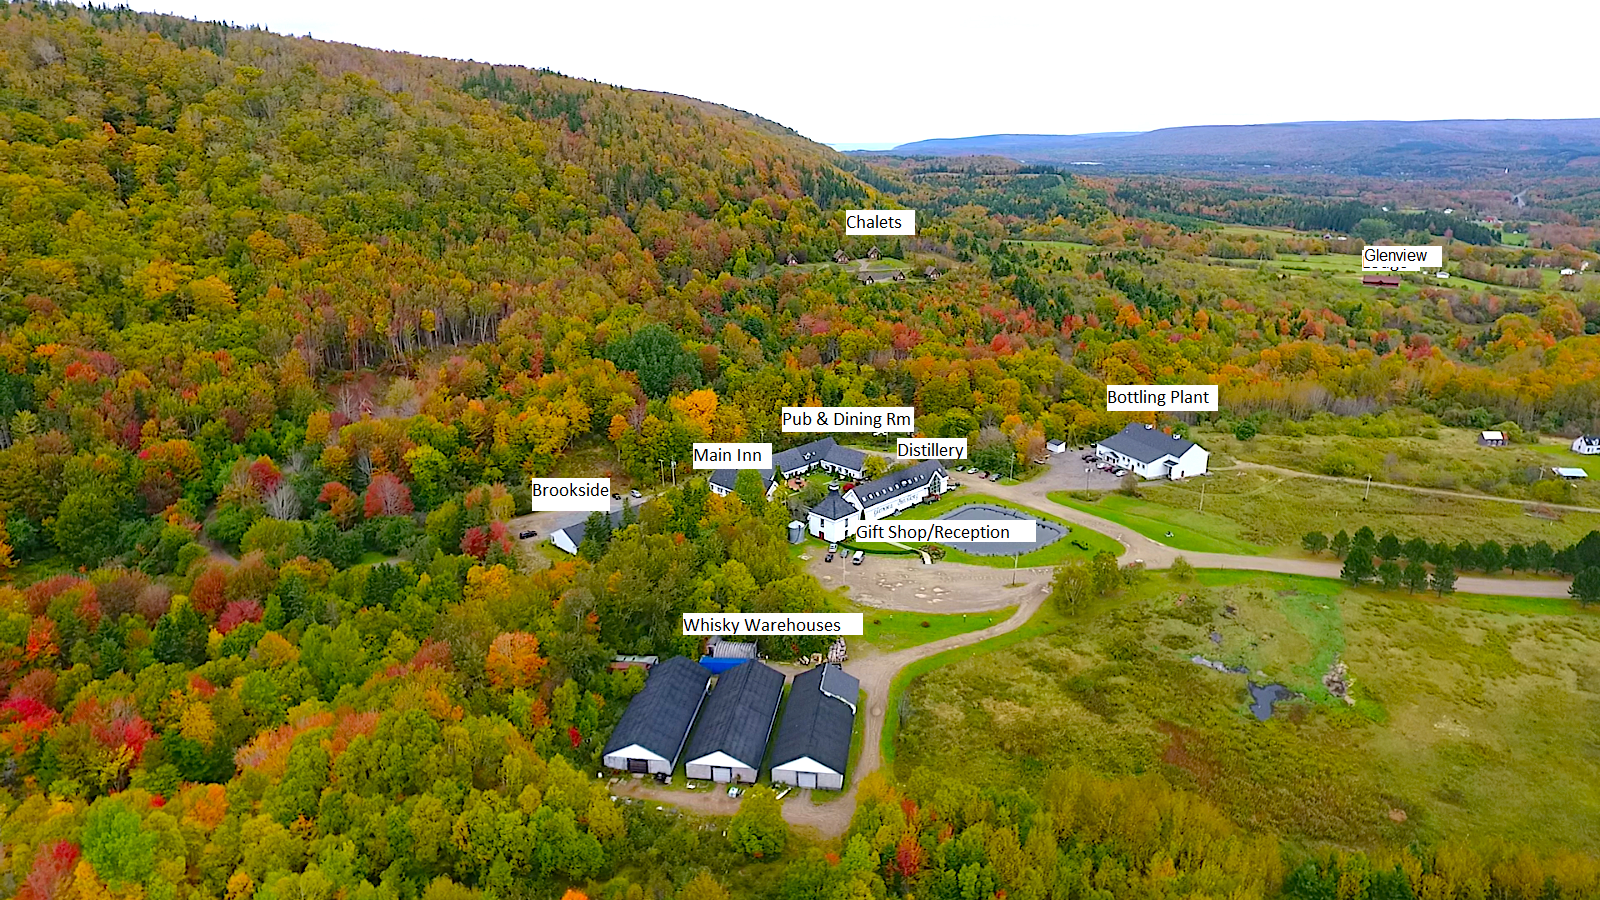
<point x="635" y="494"/>
<point x="530" y="533"/>
<point x="833" y="546"/>
<point x="1120" y="472"/>
<point x="856" y="560"/>
<point x="829" y="557"/>
<point x="995" y="477"/>
<point x="982" y="474"/>
<point x="615" y="495"/>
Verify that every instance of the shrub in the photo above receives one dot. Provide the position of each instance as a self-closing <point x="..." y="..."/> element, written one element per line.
<point x="926" y="624"/>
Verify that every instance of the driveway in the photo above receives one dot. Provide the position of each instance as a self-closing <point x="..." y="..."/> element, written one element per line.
<point x="1067" y="475"/>
<point x="831" y="818"/>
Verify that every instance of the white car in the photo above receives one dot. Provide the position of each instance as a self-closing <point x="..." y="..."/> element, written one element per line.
<point x="635" y="494"/>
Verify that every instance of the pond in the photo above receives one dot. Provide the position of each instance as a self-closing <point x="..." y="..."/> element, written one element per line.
<point x="1047" y="532"/>
<point x="1264" y="696"/>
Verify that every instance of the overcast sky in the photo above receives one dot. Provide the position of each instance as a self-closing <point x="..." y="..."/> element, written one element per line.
<point x="881" y="74"/>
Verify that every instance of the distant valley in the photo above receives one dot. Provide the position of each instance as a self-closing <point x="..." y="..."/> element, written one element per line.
<point x="1437" y="148"/>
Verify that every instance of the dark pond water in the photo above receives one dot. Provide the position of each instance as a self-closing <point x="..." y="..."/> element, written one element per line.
<point x="1263" y="696"/>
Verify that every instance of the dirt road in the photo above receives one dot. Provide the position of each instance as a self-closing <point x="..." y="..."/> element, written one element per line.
<point x="830" y="819"/>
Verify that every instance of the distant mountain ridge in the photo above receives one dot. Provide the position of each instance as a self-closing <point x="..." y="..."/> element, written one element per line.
<point x="1459" y="146"/>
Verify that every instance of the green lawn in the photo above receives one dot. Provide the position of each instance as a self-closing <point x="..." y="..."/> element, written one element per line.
<point x="1476" y="717"/>
<point x="1191" y="529"/>
<point x="889" y="631"/>
<point x="1048" y="555"/>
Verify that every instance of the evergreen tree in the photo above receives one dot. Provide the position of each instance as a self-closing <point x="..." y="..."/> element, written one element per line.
<point x="180" y="636"/>
<point x="1314" y="542"/>
<point x="1365" y="539"/>
<point x="1586" y="586"/>
<point x="1444" y="579"/>
<point x="1465" y="556"/>
<point x="1491" y="557"/>
<point x="1416" y="550"/>
<point x="1540" y="556"/>
<point x="1341" y="544"/>
<point x="1389" y="573"/>
<point x="1357" y="566"/>
<point x="1388" y="546"/>
<point x="1516" y="557"/>
<point x="1416" y="576"/>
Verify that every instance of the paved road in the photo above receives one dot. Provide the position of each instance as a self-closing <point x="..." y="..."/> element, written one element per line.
<point x="830" y="819"/>
<point x="1156" y="555"/>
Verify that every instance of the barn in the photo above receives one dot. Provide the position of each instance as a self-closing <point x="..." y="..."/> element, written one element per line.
<point x="813" y="744"/>
<point x="731" y="739"/>
<point x="655" y="726"/>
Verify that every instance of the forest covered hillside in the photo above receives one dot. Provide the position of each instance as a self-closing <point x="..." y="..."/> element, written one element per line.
<point x="286" y="326"/>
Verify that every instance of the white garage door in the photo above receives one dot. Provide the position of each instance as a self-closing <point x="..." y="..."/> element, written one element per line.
<point x="808" y="779"/>
<point x="718" y="773"/>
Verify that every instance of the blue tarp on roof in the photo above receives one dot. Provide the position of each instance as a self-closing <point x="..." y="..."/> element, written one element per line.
<point x="720" y="664"/>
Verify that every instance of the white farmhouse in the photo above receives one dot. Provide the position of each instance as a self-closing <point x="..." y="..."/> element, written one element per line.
<point x="1587" y="445"/>
<point x="1153" y="453"/>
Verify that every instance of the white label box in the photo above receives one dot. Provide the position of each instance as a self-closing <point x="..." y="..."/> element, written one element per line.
<point x="773" y="624"/>
<point x="880" y="221"/>
<point x="849" y="418"/>
<point x="1411" y="258"/>
<point x="937" y="531"/>
<point x="931" y="448"/>
<point x="571" y="494"/>
<point x="732" y="456"/>
<point x="1162" y="397"/>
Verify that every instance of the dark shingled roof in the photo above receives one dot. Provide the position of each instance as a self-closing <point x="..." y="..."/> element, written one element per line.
<point x="727" y="478"/>
<point x="817" y="451"/>
<point x="577" y="530"/>
<point x="1146" y="444"/>
<point x="814" y="724"/>
<point x="834" y="506"/>
<point x="739" y="713"/>
<point x="841" y="684"/>
<point x="659" y="716"/>
<point x="896" y="483"/>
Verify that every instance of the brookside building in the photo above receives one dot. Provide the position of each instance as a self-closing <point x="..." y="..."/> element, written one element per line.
<point x="1153" y="453"/>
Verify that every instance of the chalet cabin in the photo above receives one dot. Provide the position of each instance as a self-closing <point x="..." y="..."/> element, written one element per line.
<point x="791" y="261"/>
<point x="1152" y="453"/>
<point x="655" y="726"/>
<point x="731" y="739"/>
<point x="840" y="257"/>
<point x="812" y="748"/>
<point x="873" y="253"/>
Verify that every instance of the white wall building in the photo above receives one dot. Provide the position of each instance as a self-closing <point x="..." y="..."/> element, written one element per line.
<point x="1152" y="453"/>
<point x="837" y="516"/>
<point x="1588" y="445"/>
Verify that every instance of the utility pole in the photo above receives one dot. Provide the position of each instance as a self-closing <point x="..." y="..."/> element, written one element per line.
<point x="1369" y="490"/>
<point x="674" y="473"/>
<point x="1086" y="471"/>
<point x="1203" y="496"/>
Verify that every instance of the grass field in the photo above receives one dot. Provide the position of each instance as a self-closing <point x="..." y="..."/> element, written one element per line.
<point x="890" y="631"/>
<point x="1272" y="510"/>
<point x="1450" y="460"/>
<point x="1191" y="529"/>
<point x="1048" y="555"/>
<point x="1475" y="717"/>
